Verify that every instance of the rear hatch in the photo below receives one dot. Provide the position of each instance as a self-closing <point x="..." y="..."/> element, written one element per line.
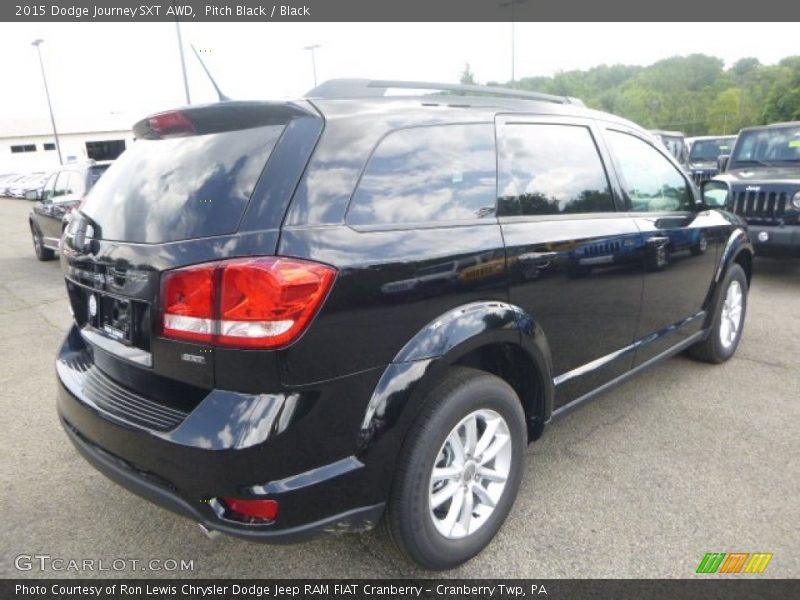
<point x="200" y="184"/>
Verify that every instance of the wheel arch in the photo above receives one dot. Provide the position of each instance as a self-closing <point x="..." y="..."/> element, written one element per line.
<point x="495" y="337"/>
<point x="739" y="250"/>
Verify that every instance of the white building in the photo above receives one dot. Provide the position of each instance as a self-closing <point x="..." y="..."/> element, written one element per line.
<point x="28" y="145"/>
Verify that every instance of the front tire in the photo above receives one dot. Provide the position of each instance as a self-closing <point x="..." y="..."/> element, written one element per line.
<point x="728" y="323"/>
<point x="459" y="471"/>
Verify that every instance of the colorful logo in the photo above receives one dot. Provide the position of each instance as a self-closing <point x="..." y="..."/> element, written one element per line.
<point x="734" y="562"/>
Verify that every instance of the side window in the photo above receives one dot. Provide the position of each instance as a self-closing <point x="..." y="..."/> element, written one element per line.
<point x="548" y="169"/>
<point x="47" y="191"/>
<point x="428" y="174"/>
<point x="62" y="184"/>
<point x="652" y="183"/>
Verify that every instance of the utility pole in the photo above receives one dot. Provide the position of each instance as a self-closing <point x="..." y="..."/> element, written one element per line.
<point x="312" y="48"/>
<point x="38" y="43"/>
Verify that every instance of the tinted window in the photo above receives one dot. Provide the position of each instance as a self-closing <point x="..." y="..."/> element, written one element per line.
<point x="425" y="174"/>
<point x="550" y="170"/>
<point x="652" y="183"/>
<point x="180" y="188"/>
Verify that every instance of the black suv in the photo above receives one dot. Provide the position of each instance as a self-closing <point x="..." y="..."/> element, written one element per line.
<point x="62" y="193"/>
<point x="704" y="153"/>
<point x="761" y="183"/>
<point x="303" y="317"/>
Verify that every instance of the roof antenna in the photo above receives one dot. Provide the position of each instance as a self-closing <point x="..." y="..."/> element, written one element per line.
<point x="222" y="97"/>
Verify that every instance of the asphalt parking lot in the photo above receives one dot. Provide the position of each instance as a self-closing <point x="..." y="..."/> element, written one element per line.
<point x="686" y="459"/>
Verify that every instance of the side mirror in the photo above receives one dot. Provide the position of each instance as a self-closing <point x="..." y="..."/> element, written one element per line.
<point x="722" y="162"/>
<point x="715" y="193"/>
<point x="32" y="195"/>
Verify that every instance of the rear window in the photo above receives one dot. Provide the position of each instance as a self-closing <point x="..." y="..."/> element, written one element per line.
<point x="180" y="188"/>
<point x="428" y="174"/>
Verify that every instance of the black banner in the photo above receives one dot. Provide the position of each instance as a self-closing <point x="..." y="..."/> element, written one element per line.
<point x="464" y="589"/>
<point x="399" y="10"/>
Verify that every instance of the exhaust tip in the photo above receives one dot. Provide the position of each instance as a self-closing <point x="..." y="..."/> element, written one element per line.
<point x="211" y="534"/>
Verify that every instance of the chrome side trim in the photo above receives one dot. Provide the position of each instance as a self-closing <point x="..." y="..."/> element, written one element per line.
<point x="603" y="360"/>
<point x="569" y="407"/>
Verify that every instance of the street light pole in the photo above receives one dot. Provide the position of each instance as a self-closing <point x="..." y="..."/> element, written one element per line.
<point x="313" y="60"/>
<point x="183" y="60"/>
<point x="511" y="3"/>
<point x="38" y="43"/>
<point x="513" y="45"/>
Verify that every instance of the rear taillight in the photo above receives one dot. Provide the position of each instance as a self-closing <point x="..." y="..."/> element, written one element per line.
<point x="249" y="302"/>
<point x="171" y="124"/>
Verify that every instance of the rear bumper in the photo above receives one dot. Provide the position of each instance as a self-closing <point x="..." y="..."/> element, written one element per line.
<point x="775" y="240"/>
<point x="357" y="519"/>
<point x="297" y="447"/>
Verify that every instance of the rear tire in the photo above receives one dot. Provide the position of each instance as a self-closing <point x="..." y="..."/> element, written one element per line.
<point x="42" y="253"/>
<point x="459" y="470"/>
<point x="728" y="323"/>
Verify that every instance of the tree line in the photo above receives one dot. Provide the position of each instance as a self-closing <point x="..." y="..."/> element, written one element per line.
<point x="695" y="94"/>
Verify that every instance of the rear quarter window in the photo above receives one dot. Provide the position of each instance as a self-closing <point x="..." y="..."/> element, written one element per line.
<point x="433" y="174"/>
<point x="180" y="188"/>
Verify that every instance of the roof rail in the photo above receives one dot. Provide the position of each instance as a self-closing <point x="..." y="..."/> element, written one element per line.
<point x="360" y="88"/>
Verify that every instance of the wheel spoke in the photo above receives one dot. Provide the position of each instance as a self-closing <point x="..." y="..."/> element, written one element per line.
<point x="447" y="492"/>
<point x="466" y="510"/>
<point x="471" y="432"/>
<point x="450" y="472"/>
<point x="724" y="331"/>
<point x="454" y="440"/>
<point x="454" y="511"/>
<point x="497" y="444"/>
<point x="483" y="495"/>
<point x="491" y="475"/>
<point x="487" y="437"/>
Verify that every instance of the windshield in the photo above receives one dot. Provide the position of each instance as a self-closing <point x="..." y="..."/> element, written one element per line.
<point x="774" y="146"/>
<point x="710" y="150"/>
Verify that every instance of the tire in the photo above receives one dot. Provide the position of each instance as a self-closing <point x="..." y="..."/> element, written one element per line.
<point x="420" y="531"/>
<point x="723" y="338"/>
<point x="39" y="249"/>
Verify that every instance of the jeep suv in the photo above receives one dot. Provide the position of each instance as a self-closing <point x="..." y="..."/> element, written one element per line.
<point x="302" y="317"/>
<point x="704" y="153"/>
<point x="761" y="183"/>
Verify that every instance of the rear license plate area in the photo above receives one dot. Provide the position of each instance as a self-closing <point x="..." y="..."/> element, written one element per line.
<point x="113" y="316"/>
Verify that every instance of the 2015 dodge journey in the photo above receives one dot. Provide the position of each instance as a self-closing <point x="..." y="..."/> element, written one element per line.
<point x="301" y="317"/>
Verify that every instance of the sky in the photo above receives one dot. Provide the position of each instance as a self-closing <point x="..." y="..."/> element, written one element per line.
<point x="134" y="68"/>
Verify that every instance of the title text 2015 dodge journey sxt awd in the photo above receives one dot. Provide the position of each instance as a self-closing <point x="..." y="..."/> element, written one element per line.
<point x="303" y="317"/>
